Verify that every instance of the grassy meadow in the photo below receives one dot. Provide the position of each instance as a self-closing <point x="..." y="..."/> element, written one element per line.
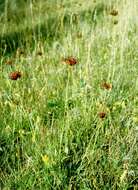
<point x="63" y="126"/>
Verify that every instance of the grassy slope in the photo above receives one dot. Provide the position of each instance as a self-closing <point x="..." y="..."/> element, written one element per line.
<point x="51" y="136"/>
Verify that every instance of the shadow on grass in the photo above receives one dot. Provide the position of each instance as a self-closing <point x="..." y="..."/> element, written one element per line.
<point x="21" y="38"/>
<point x="54" y="28"/>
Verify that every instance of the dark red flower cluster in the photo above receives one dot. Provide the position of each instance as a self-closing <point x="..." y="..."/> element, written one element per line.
<point x="106" y="86"/>
<point x="15" y="75"/>
<point x="70" y="61"/>
<point x="102" y="115"/>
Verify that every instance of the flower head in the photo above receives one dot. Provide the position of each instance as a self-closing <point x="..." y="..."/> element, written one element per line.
<point x="106" y="86"/>
<point x="70" y="61"/>
<point x="45" y="159"/>
<point x="102" y="115"/>
<point x="15" y="75"/>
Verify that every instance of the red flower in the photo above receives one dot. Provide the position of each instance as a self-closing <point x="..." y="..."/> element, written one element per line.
<point x="102" y="115"/>
<point x="15" y="75"/>
<point x="70" y="61"/>
<point x="106" y="86"/>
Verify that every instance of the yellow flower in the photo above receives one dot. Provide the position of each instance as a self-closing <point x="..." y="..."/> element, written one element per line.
<point x="45" y="159"/>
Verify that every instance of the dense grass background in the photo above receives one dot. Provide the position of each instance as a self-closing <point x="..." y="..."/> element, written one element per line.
<point x="51" y="135"/>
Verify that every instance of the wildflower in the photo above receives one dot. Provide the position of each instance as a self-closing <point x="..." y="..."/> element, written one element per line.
<point x="45" y="159"/>
<point x="114" y="12"/>
<point x="102" y="115"/>
<point x="106" y="86"/>
<point x="70" y="61"/>
<point x="15" y="75"/>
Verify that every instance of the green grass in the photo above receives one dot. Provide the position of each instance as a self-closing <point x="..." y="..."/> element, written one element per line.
<point x="51" y="134"/>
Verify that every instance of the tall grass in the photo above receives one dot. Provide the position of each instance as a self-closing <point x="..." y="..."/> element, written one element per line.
<point x="62" y="126"/>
